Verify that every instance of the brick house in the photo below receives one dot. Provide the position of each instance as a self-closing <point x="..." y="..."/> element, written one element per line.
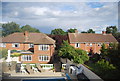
<point x="90" y="41"/>
<point x="34" y="47"/>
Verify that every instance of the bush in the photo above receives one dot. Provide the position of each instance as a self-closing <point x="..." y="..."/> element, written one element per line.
<point x="3" y="53"/>
<point x="104" y="69"/>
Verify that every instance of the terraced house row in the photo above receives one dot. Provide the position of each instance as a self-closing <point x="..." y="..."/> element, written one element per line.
<point x="39" y="48"/>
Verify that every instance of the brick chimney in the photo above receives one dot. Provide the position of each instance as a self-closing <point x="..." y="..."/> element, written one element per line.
<point x="26" y="33"/>
<point x="104" y="32"/>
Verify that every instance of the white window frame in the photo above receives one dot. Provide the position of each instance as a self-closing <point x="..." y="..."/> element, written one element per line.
<point x="99" y="44"/>
<point x="91" y="44"/>
<point x="87" y="44"/>
<point x="2" y="44"/>
<point x="31" y="45"/>
<point x="77" y="45"/>
<point x="42" y="58"/>
<point x="43" y="47"/>
<point x="26" y="58"/>
<point x="13" y="45"/>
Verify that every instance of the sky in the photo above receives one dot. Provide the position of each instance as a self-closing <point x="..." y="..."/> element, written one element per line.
<point x="47" y="16"/>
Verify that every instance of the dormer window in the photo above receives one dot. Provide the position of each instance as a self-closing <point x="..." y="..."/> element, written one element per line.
<point x="15" y="45"/>
<point x="77" y="45"/>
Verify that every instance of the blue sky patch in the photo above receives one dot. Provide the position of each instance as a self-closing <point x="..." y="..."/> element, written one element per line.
<point x="95" y="4"/>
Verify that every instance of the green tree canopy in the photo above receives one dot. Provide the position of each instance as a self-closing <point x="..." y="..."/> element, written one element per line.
<point x="111" y="29"/>
<point x="77" y="55"/>
<point x="83" y="57"/>
<point x="10" y="28"/>
<point x="71" y="30"/>
<point x="3" y="53"/>
<point x="29" y="28"/>
<point x="58" y="31"/>
<point x="66" y="50"/>
<point x="88" y="31"/>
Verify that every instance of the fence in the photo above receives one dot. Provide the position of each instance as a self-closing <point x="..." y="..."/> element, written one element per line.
<point x="44" y="66"/>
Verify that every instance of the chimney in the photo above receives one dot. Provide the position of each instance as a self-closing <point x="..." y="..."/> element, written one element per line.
<point x="104" y="32"/>
<point x="76" y="31"/>
<point x="26" y="33"/>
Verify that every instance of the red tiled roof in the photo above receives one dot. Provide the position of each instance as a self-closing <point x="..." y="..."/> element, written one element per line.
<point x="37" y="38"/>
<point x="89" y="37"/>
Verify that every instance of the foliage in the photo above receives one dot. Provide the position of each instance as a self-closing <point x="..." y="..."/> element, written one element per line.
<point x="88" y="31"/>
<point x="3" y="53"/>
<point x="117" y="36"/>
<point x="71" y="30"/>
<point x="83" y="32"/>
<point x="59" y="39"/>
<point x="95" y="58"/>
<point x="114" y="54"/>
<point x="111" y="29"/>
<point x="10" y="28"/>
<point x="104" y="51"/>
<point x="83" y="55"/>
<point x="15" y="54"/>
<point x="29" y="28"/>
<point x="104" y="69"/>
<point x="58" y="31"/>
<point x="67" y="51"/>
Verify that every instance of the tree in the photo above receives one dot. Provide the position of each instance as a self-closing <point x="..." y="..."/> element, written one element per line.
<point x="3" y="53"/>
<point x="83" y="32"/>
<point x="66" y="50"/>
<point x="71" y="30"/>
<point x="77" y="55"/>
<point x="29" y="28"/>
<point x="82" y="55"/>
<point x="104" y="51"/>
<point x="58" y="31"/>
<point x="10" y="28"/>
<point x="90" y="31"/>
<point x="111" y="29"/>
<point x="117" y="36"/>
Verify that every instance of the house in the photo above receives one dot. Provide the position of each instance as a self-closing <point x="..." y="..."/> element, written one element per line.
<point x="90" y="41"/>
<point x="34" y="47"/>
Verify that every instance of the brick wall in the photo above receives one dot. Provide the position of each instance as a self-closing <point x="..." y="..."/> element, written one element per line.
<point x="37" y="53"/>
<point x="94" y="47"/>
<point x="21" y="46"/>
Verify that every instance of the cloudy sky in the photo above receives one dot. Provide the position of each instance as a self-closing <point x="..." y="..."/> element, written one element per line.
<point x="47" y="16"/>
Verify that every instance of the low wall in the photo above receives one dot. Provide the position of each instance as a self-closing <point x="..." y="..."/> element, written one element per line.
<point x="89" y="74"/>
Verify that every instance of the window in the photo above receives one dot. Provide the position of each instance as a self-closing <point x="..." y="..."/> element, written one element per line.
<point x="26" y="57"/>
<point x="90" y="44"/>
<point x="43" y="58"/>
<point x="31" y="45"/>
<point x="87" y="44"/>
<point x="15" y="45"/>
<point x="43" y="47"/>
<point x="77" y="45"/>
<point x="2" y="44"/>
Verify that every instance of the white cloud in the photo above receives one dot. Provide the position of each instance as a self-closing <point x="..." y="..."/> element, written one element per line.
<point x="63" y="15"/>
